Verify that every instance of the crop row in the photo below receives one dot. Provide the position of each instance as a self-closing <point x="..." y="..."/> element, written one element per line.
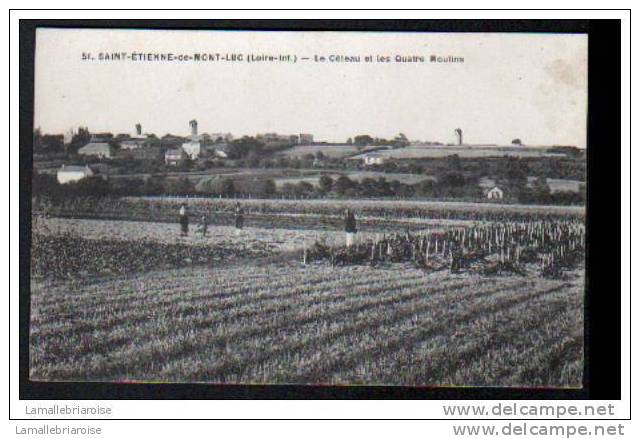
<point x="331" y="344"/>
<point x="492" y="349"/>
<point x="403" y="327"/>
<point x="189" y="342"/>
<point x="168" y="326"/>
<point x="246" y="302"/>
<point x="393" y="333"/>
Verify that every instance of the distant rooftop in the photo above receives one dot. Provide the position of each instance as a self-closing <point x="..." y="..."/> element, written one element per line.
<point x="96" y="146"/>
<point x="74" y="168"/>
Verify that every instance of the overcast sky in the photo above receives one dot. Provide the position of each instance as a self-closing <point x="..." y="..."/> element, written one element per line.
<point x="527" y="86"/>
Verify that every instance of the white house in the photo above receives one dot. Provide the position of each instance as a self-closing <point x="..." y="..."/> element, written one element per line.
<point x="193" y="148"/>
<point x="495" y="193"/>
<point x="97" y="149"/>
<point x="67" y="174"/>
<point x="373" y="159"/>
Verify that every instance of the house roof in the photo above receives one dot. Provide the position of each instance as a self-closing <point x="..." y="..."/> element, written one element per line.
<point x="74" y="168"/>
<point x="164" y="142"/>
<point x="96" y="147"/>
<point x="493" y="189"/>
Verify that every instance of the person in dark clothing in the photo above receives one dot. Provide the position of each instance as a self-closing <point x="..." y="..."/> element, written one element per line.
<point x="239" y="215"/>
<point x="350" y="227"/>
<point x="456" y="259"/>
<point x="184" y="220"/>
<point x="203" y="225"/>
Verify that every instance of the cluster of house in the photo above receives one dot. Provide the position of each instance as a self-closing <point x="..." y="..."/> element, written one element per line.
<point x="210" y="145"/>
<point x="174" y="148"/>
<point x="177" y="149"/>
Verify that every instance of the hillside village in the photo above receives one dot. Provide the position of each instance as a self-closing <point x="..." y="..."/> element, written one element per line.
<point x="267" y="165"/>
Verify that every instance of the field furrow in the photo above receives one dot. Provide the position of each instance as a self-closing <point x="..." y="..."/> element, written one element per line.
<point x="138" y="311"/>
<point x="404" y="332"/>
<point x="485" y="348"/>
<point x="179" y="334"/>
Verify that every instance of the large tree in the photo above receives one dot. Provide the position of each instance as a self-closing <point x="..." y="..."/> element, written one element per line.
<point x="240" y="148"/>
<point x="400" y="141"/>
<point x="363" y="140"/>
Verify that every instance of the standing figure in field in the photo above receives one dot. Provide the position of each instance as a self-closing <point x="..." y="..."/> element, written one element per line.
<point x="239" y="214"/>
<point x="455" y="258"/>
<point x="350" y="227"/>
<point x="203" y="225"/>
<point x="184" y="220"/>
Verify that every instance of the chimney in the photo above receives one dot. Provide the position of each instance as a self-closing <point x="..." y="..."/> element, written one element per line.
<point x="458" y="132"/>
<point x="138" y="129"/>
<point x="194" y="129"/>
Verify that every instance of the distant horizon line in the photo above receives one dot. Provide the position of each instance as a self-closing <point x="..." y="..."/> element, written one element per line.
<point x="416" y="142"/>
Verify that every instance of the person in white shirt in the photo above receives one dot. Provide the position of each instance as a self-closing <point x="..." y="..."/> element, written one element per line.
<point x="184" y="220"/>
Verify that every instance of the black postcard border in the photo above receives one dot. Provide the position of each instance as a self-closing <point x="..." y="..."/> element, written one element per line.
<point x="602" y="318"/>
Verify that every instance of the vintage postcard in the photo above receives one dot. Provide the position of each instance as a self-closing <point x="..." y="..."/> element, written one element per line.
<point x="289" y="207"/>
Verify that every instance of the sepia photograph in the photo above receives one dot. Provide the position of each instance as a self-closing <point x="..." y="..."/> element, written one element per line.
<point x="308" y="207"/>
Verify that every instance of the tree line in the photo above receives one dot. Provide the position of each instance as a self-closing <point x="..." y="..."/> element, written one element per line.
<point x="452" y="185"/>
